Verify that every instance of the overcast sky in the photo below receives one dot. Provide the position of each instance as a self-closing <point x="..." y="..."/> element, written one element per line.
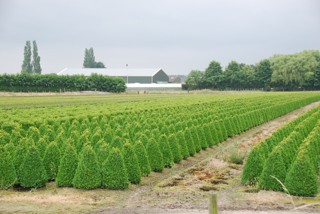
<point x="175" y="35"/>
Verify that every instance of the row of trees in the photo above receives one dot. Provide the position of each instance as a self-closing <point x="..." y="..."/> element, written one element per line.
<point x="283" y="72"/>
<point x="28" y="66"/>
<point x="52" y="82"/>
<point x="31" y="60"/>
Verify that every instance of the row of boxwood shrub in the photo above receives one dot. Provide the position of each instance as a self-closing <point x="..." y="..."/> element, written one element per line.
<point x="57" y="83"/>
<point x="290" y="157"/>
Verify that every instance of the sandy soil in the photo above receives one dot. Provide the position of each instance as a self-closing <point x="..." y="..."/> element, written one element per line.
<point x="181" y="189"/>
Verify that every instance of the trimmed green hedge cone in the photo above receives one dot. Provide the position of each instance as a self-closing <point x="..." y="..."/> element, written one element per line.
<point x="189" y="142"/>
<point x="143" y="139"/>
<point x="195" y="139"/>
<point x="131" y="163"/>
<point x="202" y="138"/>
<point x="228" y="127"/>
<point x="19" y="155"/>
<point x="223" y="131"/>
<point x="155" y="133"/>
<point x="218" y="133"/>
<point x="11" y="149"/>
<point x="102" y="154"/>
<point x="51" y="160"/>
<point x="114" y="174"/>
<point x="302" y="179"/>
<point x="254" y="165"/>
<point x="87" y="174"/>
<point x="166" y="151"/>
<point x="274" y="166"/>
<point x="214" y="134"/>
<point x="143" y="159"/>
<point x="155" y="156"/>
<point x="208" y="135"/>
<point x="67" y="167"/>
<point x="8" y="175"/>
<point x="175" y="148"/>
<point x="41" y="146"/>
<point x="32" y="173"/>
<point x="117" y="142"/>
<point x="183" y="146"/>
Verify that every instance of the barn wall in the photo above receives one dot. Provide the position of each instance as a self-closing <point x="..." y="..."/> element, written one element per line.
<point x="136" y="79"/>
<point x="160" y="76"/>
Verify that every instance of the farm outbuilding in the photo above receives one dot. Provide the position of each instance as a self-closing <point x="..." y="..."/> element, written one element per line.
<point x="144" y="76"/>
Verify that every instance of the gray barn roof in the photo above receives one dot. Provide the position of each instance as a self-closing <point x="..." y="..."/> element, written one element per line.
<point x="111" y="71"/>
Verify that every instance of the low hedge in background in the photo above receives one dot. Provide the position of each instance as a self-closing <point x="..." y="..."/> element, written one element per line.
<point x="58" y="83"/>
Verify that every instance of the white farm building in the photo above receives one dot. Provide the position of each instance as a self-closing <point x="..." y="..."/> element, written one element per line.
<point x="136" y="79"/>
<point x="129" y="75"/>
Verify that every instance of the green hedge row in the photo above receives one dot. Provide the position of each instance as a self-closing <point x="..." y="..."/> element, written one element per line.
<point x="57" y="83"/>
<point x="276" y="161"/>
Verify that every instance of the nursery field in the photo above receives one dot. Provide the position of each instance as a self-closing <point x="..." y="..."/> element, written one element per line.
<point x="115" y="142"/>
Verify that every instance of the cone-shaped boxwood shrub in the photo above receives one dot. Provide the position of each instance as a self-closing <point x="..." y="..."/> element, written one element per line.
<point x="183" y="146"/>
<point x="175" y="148"/>
<point x="114" y="173"/>
<point x="217" y="133"/>
<point x="155" y="156"/>
<point x="4" y="137"/>
<point x="84" y="138"/>
<point x="41" y="146"/>
<point x="102" y="153"/>
<point x="131" y="163"/>
<point x="32" y="173"/>
<point x="223" y="130"/>
<point x="189" y="142"/>
<point x="51" y="160"/>
<point x="202" y="137"/>
<point x="8" y="174"/>
<point x="302" y="179"/>
<point x="208" y="135"/>
<point x="20" y="154"/>
<point x="228" y="127"/>
<point x="67" y="167"/>
<point x="254" y="165"/>
<point x="117" y="142"/>
<point x="108" y="135"/>
<point x="166" y="151"/>
<point x="33" y="133"/>
<point x="11" y="149"/>
<point x="274" y="166"/>
<point x="195" y="138"/>
<point x="155" y="134"/>
<point x="143" y="159"/>
<point x="87" y="174"/>
<point x="143" y="138"/>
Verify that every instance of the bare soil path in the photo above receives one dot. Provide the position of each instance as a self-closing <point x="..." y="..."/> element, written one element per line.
<point x="181" y="189"/>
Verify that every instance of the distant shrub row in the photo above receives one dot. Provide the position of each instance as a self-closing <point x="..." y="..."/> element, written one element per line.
<point x="56" y="83"/>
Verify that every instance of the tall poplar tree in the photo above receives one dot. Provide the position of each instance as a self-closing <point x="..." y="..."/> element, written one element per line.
<point x="26" y="65"/>
<point x="36" y="59"/>
<point x="89" y="60"/>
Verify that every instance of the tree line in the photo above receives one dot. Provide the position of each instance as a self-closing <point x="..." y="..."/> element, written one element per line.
<point x="300" y="71"/>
